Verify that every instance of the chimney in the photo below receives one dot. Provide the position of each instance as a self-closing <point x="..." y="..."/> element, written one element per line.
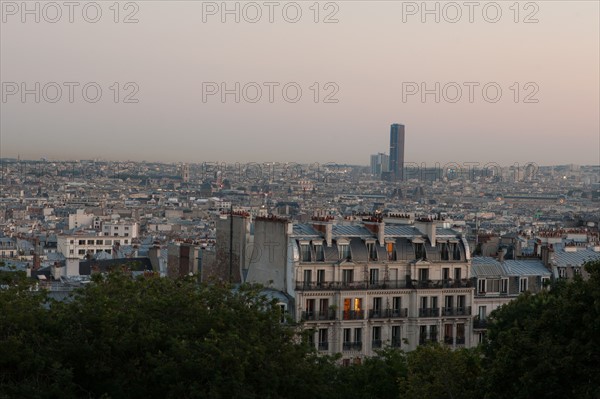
<point x="376" y="227"/>
<point x="501" y="254"/>
<point x="323" y="225"/>
<point x="428" y="227"/>
<point x="328" y="233"/>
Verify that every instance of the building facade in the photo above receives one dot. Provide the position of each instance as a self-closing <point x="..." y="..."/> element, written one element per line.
<point x="397" y="151"/>
<point x="369" y="285"/>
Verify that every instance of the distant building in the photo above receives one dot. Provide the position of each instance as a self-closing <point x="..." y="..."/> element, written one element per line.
<point x="397" y="151"/>
<point x="379" y="163"/>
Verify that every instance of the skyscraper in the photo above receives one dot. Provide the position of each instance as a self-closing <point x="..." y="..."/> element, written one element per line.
<point x="397" y="151"/>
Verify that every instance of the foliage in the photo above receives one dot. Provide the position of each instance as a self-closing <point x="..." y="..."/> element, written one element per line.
<point x="548" y="344"/>
<point x="436" y="371"/>
<point x="156" y="337"/>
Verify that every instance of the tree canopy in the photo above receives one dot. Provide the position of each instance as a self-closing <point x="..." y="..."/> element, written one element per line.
<point x="154" y="337"/>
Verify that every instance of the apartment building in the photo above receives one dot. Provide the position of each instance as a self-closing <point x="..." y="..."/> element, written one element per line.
<point x="500" y="281"/>
<point x="88" y="243"/>
<point x="364" y="286"/>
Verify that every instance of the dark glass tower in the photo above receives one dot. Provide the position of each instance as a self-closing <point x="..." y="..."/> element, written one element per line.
<point x="397" y="151"/>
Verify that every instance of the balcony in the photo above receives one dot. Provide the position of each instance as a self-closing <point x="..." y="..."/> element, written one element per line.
<point x="437" y="284"/>
<point x="461" y="311"/>
<point x="449" y="340"/>
<point x="429" y="312"/>
<point x="353" y="314"/>
<point x="396" y="342"/>
<point x="376" y="344"/>
<point x="431" y="338"/>
<point x="323" y="346"/>
<point x="321" y="315"/>
<point x="355" y="285"/>
<point x="479" y="324"/>
<point x="352" y="346"/>
<point x="388" y="313"/>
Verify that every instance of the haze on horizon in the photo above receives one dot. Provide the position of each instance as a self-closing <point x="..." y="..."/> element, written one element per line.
<point x="368" y="55"/>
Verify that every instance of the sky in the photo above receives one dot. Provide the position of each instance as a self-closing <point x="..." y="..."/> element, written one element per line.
<point x="332" y="77"/>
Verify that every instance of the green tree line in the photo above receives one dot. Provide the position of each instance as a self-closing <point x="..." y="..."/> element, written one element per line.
<point x="154" y="337"/>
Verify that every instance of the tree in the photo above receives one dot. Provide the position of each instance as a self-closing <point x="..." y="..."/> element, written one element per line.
<point x="547" y="345"/>
<point x="153" y="337"/>
<point x="436" y="371"/>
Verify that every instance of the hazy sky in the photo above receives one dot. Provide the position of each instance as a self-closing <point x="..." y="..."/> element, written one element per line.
<point x="370" y="56"/>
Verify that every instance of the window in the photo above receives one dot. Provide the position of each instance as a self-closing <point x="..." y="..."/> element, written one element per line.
<point x="319" y="253"/>
<point x="396" y="336"/>
<point x="72" y="242"/>
<point x="461" y="303"/>
<point x="310" y="308"/>
<point x="344" y="251"/>
<point x="482" y="313"/>
<point x="456" y="252"/>
<point x="374" y="276"/>
<point x="422" y="334"/>
<point x="449" y="301"/>
<point x="126" y="234"/>
<point x="562" y="272"/>
<point x="81" y="242"/>
<point x="377" y="306"/>
<point x="305" y="253"/>
<point x="90" y="242"/>
<point x="391" y="250"/>
<point x="99" y="242"/>
<point x="107" y="242"/>
<point x="448" y="334"/>
<point x="457" y="274"/>
<point x="307" y="277"/>
<point x="504" y="286"/>
<point x="577" y="271"/>
<point x="495" y="285"/>
<point x="71" y="251"/>
<point x="320" y="277"/>
<point x="323" y="339"/>
<point x="358" y="335"/>
<point x="353" y="309"/>
<point x="460" y="333"/>
<point x="444" y="252"/>
<point x="347" y="338"/>
<point x="433" y="333"/>
<point x="126" y="241"/>
<point x="126" y="227"/>
<point x="545" y="282"/>
<point x="116" y="235"/>
<point x="423" y="274"/>
<point x="397" y="303"/>
<point x="523" y="284"/>
<point x="372" y="249"/>
<point x="446" y="274"/>
<point x="324" y="308"/>
<point x="419" y="251"/>
<point x="376" y="337"/>
<point x="81" y="252"/>
<point x="105" y="234"/>
<point x="347" y="276"/>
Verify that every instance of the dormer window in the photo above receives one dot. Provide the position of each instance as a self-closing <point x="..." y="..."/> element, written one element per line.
<point x="391" y="250"/>
<point x="304" y="252"/>
<point x="344" y="250"/>
<point x="372" y="249"/>
<point x="444" y="251"/>
<point x="455" y="251"/>
<point x="319" y="252"/>
<point x="419" y="250"/>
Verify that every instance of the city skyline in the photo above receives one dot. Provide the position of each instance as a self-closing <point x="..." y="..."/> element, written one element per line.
<point x="171" y="123"/>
